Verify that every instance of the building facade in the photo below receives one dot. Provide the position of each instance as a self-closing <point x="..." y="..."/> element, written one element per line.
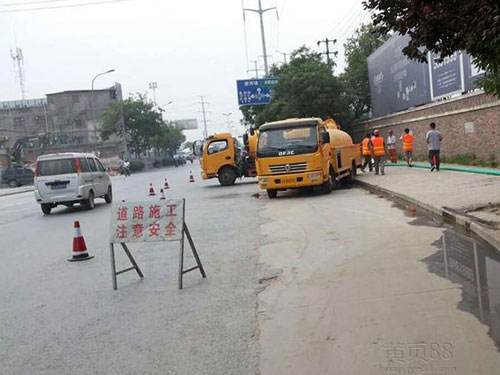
<point x="62" y="122"/>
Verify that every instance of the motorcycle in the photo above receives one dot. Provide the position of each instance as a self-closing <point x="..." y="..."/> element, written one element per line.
<point x="125" y="170"/>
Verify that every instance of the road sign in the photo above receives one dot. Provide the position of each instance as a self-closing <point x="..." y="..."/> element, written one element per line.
<point x="255" y="91"/>
<point x="149" y="221"/>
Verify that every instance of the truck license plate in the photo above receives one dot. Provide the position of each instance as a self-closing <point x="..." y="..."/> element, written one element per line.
<point x="288" y="180"/>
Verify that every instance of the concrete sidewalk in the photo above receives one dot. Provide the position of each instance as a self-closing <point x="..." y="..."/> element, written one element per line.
<point x="469" y="200"/>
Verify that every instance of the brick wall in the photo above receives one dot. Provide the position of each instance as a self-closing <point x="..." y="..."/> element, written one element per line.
<point x="470" y="124"/>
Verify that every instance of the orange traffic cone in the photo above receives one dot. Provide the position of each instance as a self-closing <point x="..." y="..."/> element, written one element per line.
<point x="151" y="189"/>
<point x="165" y="185"/>
<point x="191" y="177"/>
<point x="79" y="247"/>
<point x="162" y="194"/>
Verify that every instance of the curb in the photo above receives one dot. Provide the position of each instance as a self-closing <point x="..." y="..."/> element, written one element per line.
<point x="17" y="191"/>
<point x="469" y="226"/>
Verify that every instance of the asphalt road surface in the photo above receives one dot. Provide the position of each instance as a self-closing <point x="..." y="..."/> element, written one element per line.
<point x="305" y="283"/>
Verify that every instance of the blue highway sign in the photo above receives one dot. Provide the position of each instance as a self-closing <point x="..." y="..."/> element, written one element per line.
<point x="255" y="91"/>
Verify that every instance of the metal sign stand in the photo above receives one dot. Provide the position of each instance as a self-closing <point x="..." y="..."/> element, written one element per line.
<point x="113" y="264"/>
<point x="182" y="271"/>
<point x="199" y="266"/>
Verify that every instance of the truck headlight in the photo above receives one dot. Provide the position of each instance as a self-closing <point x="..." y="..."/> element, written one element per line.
<point x="264" y="181"/>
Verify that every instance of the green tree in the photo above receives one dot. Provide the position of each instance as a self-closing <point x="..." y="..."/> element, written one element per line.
<point x="137" y="117"/>
<point x="306" y="88"/>
<point x="169" y="137"/>
<point x="355" y="85"/>
<point x="444" y="27"/>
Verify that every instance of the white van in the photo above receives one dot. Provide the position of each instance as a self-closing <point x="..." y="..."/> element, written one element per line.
<point x="70" y="178"/>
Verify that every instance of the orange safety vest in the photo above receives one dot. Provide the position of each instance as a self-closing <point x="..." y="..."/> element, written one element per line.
<point x="378" y="146"/>
<point x="407" y="142"/>
<point x="365" y="147"/>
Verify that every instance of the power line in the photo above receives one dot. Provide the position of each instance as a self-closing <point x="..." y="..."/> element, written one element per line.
<point x="33" y="2"/>
<point x="63" y="6"/>
<point x="348" y="15"/>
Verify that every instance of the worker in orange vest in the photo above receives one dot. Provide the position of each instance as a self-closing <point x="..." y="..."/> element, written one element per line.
<point x="379" y="150"/>
<point x="407" y="138"/>
<point x="367" y="155"/>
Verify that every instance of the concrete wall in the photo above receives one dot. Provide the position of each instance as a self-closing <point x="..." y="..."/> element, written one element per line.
<point x="470" y="124"/>
<point x="71" y="117"/>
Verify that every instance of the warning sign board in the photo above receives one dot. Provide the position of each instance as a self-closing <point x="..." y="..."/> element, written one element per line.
<point x="147" y="221"/>
<point x="150" y="221"/>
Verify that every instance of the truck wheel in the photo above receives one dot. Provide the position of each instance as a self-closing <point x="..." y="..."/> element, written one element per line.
<point x="90" y="203"/>
<point x="227" y="177"/>
<point x="329" y="184"/>
<point x="46" y="208"/>
<point x="353" y="172"/>
<point x="272" y="193"/>
<point x="13" y="183"/>
<point x="109" y="195"/>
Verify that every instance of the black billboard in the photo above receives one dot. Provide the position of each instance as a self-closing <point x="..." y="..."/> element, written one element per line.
<point x="396" y="82"/>
<point x="446" y="75"/>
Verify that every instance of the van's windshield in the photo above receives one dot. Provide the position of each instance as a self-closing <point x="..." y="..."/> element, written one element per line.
<point x="55" y="167"/>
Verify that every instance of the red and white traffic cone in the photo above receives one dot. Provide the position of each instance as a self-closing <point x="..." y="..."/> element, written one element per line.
<point x="191" y="177"/>
<point x="79" y="248"/>
<point x="165" y="185"/>
<point x="162" y="194"/>
<point x="151" y="189"/>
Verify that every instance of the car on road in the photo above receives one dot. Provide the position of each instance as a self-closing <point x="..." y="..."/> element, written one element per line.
<point x="17" y="176"/>
<point x="69" y="178"/>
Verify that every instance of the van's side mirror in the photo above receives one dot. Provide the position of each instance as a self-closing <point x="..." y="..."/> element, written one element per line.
<point x="245" y="139"/>
<point x="325" y="137"/>
<point x="252" y="131"/>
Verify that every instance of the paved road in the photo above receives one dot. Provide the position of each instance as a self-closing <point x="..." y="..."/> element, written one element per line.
<point x="305" y="283"/>
<point x="63" y="318"/>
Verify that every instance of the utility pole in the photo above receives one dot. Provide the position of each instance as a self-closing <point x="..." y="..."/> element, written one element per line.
<point x="261" y="11"/>
<point x="327" y="44"/>
<point x="228" y="121"/>
<point x="256" y="70"/>
<point x="284" y="55"/>
<point x="205" y="131"/>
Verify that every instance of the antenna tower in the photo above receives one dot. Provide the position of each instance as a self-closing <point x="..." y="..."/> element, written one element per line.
<point x="18" y="59"/>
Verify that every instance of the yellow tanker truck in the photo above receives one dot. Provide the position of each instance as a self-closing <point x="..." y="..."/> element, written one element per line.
<point x="304" y="152"/>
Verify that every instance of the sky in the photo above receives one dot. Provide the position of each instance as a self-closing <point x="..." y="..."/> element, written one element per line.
<point x="190" y="48"/>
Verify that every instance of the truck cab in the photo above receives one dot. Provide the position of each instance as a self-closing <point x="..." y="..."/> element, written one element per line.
<point x="225" y="158"/>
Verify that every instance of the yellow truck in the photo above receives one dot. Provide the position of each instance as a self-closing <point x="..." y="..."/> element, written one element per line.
<point x="225" y="158"/>
<point x="304" y="152"/>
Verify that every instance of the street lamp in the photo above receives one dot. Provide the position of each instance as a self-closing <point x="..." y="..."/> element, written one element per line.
<point x="92" y="104"/>
<point x="161" y="108"/>
<point x="164" y="105"/>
